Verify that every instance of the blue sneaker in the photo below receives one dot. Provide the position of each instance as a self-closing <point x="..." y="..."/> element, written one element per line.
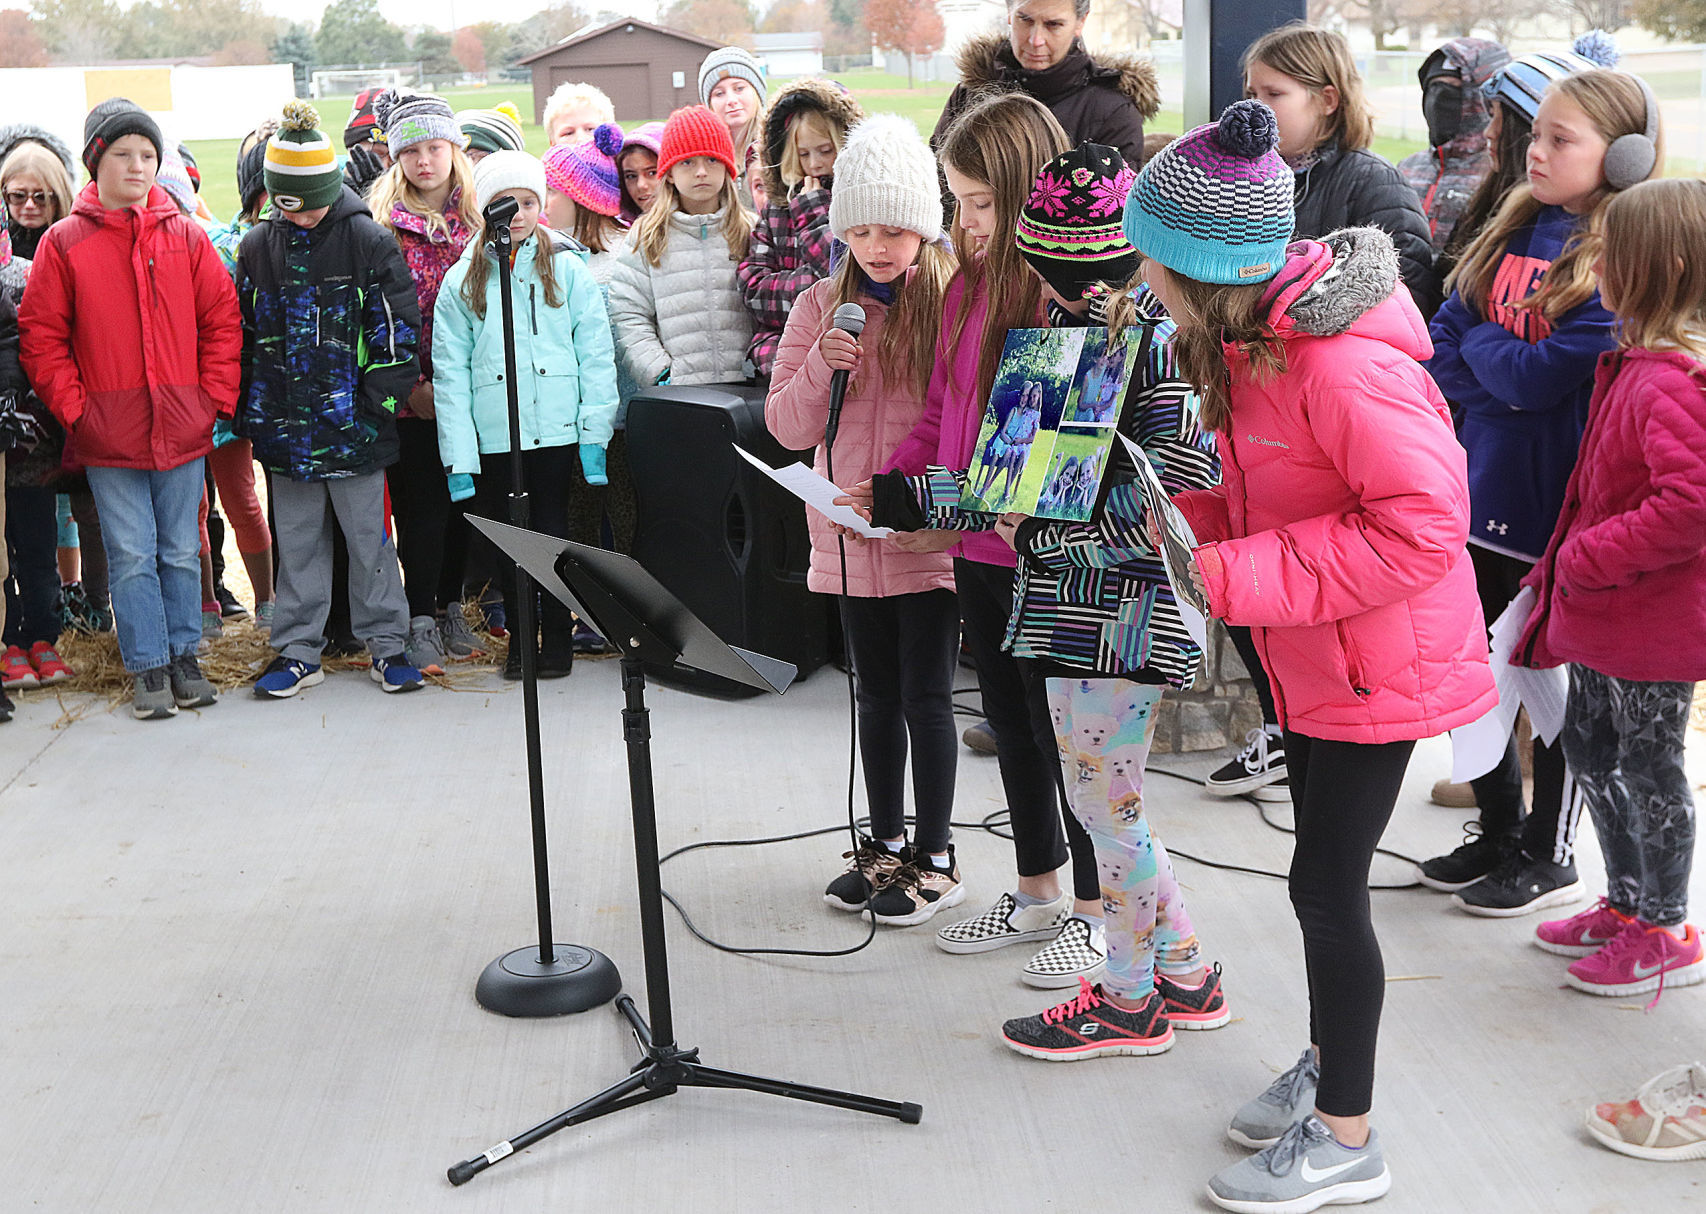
<point x="1306" y="1169"/>
<point x="285" y="677"/>
<point x="395" y="674"/>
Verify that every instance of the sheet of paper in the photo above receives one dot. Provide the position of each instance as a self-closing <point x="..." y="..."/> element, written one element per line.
<point x="816" y="492"/>
<point x="1179" y="541"/>
<point x="1476" y="748"/>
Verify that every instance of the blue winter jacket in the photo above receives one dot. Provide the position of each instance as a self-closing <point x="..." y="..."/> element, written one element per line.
<point x="1519" y="387"/>
<point x="565" y="360"/>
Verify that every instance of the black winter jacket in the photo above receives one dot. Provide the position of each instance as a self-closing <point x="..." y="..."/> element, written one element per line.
<point x="1361" y="190"/>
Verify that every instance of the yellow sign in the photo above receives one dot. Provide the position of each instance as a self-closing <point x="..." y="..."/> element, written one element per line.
<point x="149" y="87"/>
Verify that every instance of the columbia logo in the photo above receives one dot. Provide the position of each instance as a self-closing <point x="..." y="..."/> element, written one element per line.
<point x="1267" y="442"/>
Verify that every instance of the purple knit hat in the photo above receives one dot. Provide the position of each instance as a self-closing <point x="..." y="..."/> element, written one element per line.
<point x="586" y="172"/>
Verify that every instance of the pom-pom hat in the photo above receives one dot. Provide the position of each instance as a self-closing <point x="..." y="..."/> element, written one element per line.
<point x="693" y="131"/>
<point x="411" y="118"/>
<point x="886" y="174"/>
<point x="301" y="171"/>
<point x="1524" y="80"/>
<point x="586" y="171"/>
<point x="1070" y="229"/>
<point x="507" y="171"/>
<point x="1216" y="205"/>
<point x="493" y="130"/>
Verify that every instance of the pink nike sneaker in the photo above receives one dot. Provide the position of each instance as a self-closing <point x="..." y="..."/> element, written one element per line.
<point x="1584" y="934"/>
<point x="1641" y="958"/>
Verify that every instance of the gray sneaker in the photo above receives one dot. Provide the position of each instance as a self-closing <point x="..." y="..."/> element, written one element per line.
<point x="1287" y="1101"/>
<point x="459" y="640"/>
<point x="151" y="695"/>
<point x="425" y="648"/>
<point x="1305" y="1170"/>
<point x="190" y="688"/>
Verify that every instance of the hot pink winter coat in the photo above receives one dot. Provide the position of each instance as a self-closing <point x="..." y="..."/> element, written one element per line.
<point x="1622" y="587"/>
<point x="1338" y="532"/>
<point x="875" y="417"/>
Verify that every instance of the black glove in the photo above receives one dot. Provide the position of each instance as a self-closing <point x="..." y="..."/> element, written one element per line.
<point x="363" y="169"/>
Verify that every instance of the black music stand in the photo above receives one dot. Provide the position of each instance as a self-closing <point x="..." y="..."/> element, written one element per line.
<point x="651" y="627"/>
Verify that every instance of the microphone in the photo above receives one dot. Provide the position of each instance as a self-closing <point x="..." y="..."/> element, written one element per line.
<point x="849" y="318"/>
<point x="497" y="215"/>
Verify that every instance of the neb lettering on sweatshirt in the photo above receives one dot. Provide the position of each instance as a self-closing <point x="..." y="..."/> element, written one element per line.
<point x="1517" y="278"/>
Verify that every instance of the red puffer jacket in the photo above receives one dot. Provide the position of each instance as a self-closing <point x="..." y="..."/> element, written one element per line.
<point x="131" y="333"/>
<point x="1622" y="587"/>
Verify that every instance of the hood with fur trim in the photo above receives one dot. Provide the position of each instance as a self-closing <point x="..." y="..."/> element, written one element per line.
<point x="14" y="133"/>
<point x="807" y="93"/>
<point x="987" y="62"/>
<point x="1346" y="282"/>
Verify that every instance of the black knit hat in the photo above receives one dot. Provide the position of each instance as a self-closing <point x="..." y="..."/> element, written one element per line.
<point x="112" y="120"/>
<point x="1069" y="230"/>
<point x="362" y="125"/>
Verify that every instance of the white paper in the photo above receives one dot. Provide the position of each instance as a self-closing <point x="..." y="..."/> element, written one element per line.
<point x="1476" y="748"/>
<point x="818" y="493"/>
<point x="1179" y="543"/>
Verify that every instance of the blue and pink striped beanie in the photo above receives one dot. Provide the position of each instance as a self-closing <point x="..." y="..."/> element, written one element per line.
<point x="1216" y="205"/>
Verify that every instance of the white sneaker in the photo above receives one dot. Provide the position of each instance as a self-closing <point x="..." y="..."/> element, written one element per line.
<point x="1079" y="951"/>
<point x="1003" y="924"/>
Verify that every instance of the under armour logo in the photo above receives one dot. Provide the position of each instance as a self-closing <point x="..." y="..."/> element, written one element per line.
<point x="1501" y="528"/>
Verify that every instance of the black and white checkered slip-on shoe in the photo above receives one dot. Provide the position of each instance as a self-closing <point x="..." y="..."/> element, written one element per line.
<point x="1005" y="923"/>
<point x="1079" y="950"/>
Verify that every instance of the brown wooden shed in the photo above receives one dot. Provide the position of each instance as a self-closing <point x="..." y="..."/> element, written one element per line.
<point x="647" y="70"/>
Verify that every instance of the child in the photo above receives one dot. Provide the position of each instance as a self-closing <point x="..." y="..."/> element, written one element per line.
<point x="731" y="86"/>
<point x="330" y="319"/>
<point x="574" y="111"/>
<point x="364" y="142"/>
<point x="804" y="129"/>
<point x="638" y="164"/>
<point x="1514" y="350"/>
<point x="494" y="130"/>
<point x="136" y="371"/>
<point x="584" y="196"/>
<point x="1337" y="536"/>
<point x="673" y="296"/>
<point x="426" y="199"/>
<point x="35" y="185"/>
<point x="567" y="402"/>
<point x="1457" y="112"/>
<point x="898" y="606"/>
<point x="1626" y="566"/>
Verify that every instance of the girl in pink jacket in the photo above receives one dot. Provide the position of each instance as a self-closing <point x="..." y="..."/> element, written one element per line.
<point x="897" y="602"/>
<point x="1338" y="537"/>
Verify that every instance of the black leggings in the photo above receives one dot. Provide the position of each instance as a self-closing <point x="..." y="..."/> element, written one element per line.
<point x="1344" y="793"/>
<point x="432" y="541"/>
<point x="1245" y="644"/>
<point x="550" y="471"/>
<point x="904" y="650"/>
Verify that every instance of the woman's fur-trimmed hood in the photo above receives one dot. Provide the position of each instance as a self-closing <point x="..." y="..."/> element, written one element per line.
<point x="987" y="62"/>
<point x="807" y="93"/>
<point x="14" y="133"/>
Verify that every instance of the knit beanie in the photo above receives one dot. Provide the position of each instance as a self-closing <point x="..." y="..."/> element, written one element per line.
<point x="301" y="170"/>
<point x="1070" y="230"/>
<point x="173" y="176"/>
<point x="111" y="121"/>
<point x="1216" y="205"/>
<point x="1524" y="81"/>
<point x="886" y="174"/>
<point x="362" y="125"/>
<point x="251" y="175"/>
<point x="726" y="62"/>
<point x="494" y="130"/>
<point x="648" y="136"/>
<point x="411" y="118"/>
<point x="587" y="172"/>
<point x="692" y="131"/>
<point x="508" y="171"/>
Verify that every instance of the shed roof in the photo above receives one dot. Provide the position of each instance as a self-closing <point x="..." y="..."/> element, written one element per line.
<point x="588" y="35"/>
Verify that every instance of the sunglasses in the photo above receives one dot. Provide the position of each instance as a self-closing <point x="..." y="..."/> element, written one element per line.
<point x="18" y="198"/>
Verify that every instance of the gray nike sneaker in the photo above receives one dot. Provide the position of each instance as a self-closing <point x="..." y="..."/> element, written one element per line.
<point x="1286" y="1102"/>
<point x="1306" y="1169"/>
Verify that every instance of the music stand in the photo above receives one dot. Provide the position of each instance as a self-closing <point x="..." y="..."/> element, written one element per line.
<point x="650" y="626"/>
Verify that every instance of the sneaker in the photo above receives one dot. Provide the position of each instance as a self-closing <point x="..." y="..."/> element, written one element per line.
<point x="424" y="649"/>
<point x="397" y="673"/>
<point x="979" y="738"/>
<point x="6" y="707"/>
<point x="1478" y="856"/>
<point x="73" y="608"/>
<point x="1288" y="1100"/>
<point x="918" y="890"/>
<point x="1665" y="1120"/>
<point x="587" y="639"/>
<point x="556" y="655"/>
<point x="1582" y="935"/>
<point x="16" y="672"/>
<point x="50" y="667"/>
<point x="1005" y="923"/>
<point x="459" y="640"/>
<point x="1520" y="886"/>
<point x="1279" y="791"/>
<point x="229" y="607"/>
<point x="190" y="688"/>
<point x="1078" y="953"/>
<point x="1641" y="958"/>
<point x="285" y="677"/>
<point x="1087" y="1026"/>
<point x="342" y="646"/>
<point x="1306" y="1169"/>
<point x="100" y="618"/>
<point x="1453" y="795"/>
<point x="212" y="626"/>
<point x="1260" y="763"/>
<point x="263" y="617"/>
<point x="1196" y="1007"/>
<point x="151" y="695"/>
<point x="871" y="866"/>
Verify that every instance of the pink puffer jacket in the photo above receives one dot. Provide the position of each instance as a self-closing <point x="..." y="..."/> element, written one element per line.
<point x="875" y="417"/>
<point x="1338" y="532"/>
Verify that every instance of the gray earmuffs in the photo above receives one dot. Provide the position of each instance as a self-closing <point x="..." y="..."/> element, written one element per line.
<point x="1630" y="158"/>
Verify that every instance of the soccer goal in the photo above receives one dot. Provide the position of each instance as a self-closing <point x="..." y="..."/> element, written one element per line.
<point x="344" y="82"/>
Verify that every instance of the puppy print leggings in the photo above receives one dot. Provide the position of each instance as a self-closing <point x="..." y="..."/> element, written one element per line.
<point x="1102" y="727"/>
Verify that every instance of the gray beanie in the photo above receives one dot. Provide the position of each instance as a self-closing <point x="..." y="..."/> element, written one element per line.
<point x="111" y="121"/>
<point x="886" y="174"/>
<point x="726" y="62"/>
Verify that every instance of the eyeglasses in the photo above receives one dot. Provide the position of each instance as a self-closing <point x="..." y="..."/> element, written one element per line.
<point x="18" y="198"/>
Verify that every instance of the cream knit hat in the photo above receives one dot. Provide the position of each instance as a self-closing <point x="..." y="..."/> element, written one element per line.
<point x="508" y="171"/>
<point x="886" y="174"/>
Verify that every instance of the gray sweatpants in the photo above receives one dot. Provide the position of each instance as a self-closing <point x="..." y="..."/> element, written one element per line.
<point x="379" y="611"/>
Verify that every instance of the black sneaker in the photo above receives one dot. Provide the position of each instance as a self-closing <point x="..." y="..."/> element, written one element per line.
<point x="1260" y="763"/>
<point x="917" y="890"/>
<point x="1479" y="855"/>
<point x="1518" y="886"/>
<point x="556" y="655"/>
<point x="870" y="867"/>
<point x="229" y="607"/>
<point x="1199" y="1007"/>
<point x="1088" y="1026"/>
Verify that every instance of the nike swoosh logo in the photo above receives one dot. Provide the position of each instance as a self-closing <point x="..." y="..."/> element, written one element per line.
<point x="1313" y="1176"/>
<point x="1643" y="970"/>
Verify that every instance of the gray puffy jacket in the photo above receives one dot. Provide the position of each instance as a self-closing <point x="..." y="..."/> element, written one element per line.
<point x="684" y="316"/>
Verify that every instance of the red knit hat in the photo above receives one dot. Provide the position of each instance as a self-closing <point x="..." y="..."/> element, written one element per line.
<point x="695" y="131"/>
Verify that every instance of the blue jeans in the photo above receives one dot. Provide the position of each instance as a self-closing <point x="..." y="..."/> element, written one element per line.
<point x="153" y="541"/>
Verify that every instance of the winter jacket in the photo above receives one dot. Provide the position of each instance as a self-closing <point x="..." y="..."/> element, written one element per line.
<point x="1521" y="387"/>
<point x="25" y="240"/>
<point x="1338" y="189"/>
<point x="131" y="333"/>
<point x="429" y="256"/>
<point x="331" y="324"/>
<point x="30" y="439"/>
<point x="684" y="317"/>
<point x="790" y="243"/>
<point x="1101" y="100"/>
<point x="876" y="415"/>
<point x="1337" y="535"/>
<point x="1445" y="176"/>
<point x="564" y="358"/>
<point x="1622" y="586"/>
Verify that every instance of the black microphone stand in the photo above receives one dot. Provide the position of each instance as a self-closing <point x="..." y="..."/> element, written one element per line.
<point x="552" y="979"/>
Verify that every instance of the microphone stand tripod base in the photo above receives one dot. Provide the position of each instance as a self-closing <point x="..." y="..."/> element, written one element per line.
<point x="519" y="984"/>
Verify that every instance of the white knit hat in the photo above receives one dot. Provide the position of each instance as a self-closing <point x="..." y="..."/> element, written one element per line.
<point x="508" y="171"/>
<point x="886" y="174"/>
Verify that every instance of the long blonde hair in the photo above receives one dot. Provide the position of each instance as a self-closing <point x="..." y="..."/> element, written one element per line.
<point x="480" y="269"/>
<point x="1654" y="278"/>
<point x="1317" y="58"/>
<point x="906" y="351"/>
<point x="32" y="158"/>
<point x="651" y="232"/>
<point x="1616" y="105"/>
<point x="394" y="188"/>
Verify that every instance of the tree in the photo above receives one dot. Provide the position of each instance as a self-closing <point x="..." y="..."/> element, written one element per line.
<point x="545" y="28"/>
<point x="846" y="33"/>
<point x="1608" y="15"/>
<point x="911" y="27"/>
<point x="79" y="31"/>
<point x="20" y="45"/>
<point x="1152" y="16"/>
<point x="1673" y="20"/>
<point x="470" y="52"/>
<point x="170" y="29"/>
<point x="727" y="21"/>
<point x="433" y="48"/>
<point x="355" y="32"/>
<point x="295" y="46"/>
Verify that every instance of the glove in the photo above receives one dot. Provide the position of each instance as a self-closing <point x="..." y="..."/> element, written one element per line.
<point x="362" y="169"/>
<point x="461" y="486"/>
<point x="592" y="463"/>
<point x="664" y="378"/>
